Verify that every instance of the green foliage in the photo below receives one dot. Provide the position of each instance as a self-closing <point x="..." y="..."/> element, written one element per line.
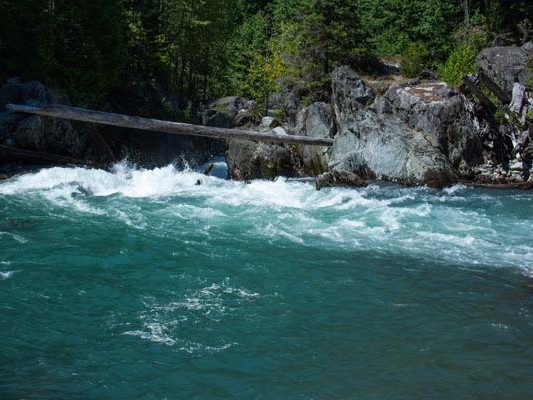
<point x="500" y="116"/>
<point x="78" y="49"/>
<point x="529" y="116"/>
<point x="279" y="115"/>
<point x="415" y="60"/>
<point x="529" y="82"/>
<point x="196" y="50"/>
<point x="462" y="61"/>
<point x="472" y="38"/>
<point x="315" y="37"/>
<point x="393" y="25"/>
<point x="261" y="78"/>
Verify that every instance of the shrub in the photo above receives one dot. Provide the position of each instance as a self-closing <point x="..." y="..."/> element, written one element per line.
<point x="500" y="116"/>
<point x="414" y="60"/>
<point x="529" y="116"/>
<point x="462" y="61"/>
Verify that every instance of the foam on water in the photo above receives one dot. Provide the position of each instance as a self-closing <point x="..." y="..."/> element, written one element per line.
<point x="163" y="323"/>
<point x="6" y="274"/>
<point x="435" y="225"/>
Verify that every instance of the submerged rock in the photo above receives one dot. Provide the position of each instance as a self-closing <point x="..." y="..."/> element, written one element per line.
<point x="339" y="179"/>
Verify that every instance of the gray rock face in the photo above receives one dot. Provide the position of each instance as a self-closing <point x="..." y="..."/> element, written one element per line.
<point x="248" y="160"/>
<point x="375" y="142"/>
<point x="270" y="123"/>
<point x="223" y="112"/>
<point x="424" y="134"/>
<point x="44" y="135"/>
<point x="249" y="118"/>
<point x="317" y="120"/>
<point x="506" y="65"/>
<point x="441" y="112"/>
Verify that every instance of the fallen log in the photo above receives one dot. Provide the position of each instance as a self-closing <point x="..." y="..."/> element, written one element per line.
<point x="174" y="128"/>
<point x="519" y="94"/>
<point x="477" y="92"/>
<point x="33" y="157"/>
<point x="494" y="88"/>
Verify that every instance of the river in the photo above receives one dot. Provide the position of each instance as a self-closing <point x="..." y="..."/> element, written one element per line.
<point x="142" y="284"/>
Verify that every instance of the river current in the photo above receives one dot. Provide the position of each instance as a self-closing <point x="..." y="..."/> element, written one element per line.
<point x="142" y="284"/>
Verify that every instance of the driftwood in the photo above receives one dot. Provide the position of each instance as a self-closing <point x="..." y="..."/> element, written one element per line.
<point x="476" y="91"/>
<point x="519" y="94"/>
<point x="209" y="169"/>
<point x="174" y="128"/>
<point x="494" y="88"/>
<point x="33" y="157"/>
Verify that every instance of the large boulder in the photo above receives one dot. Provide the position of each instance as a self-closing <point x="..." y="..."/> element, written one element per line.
<point x="374" y="142"/>
<point x="318" y="121"/>
<point x="248" y="160"/>
<point x="439" y="111"/>
<point x="506" y="65"/>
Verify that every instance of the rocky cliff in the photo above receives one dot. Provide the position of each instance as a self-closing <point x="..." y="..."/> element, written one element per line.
<point x="417" y="133"/>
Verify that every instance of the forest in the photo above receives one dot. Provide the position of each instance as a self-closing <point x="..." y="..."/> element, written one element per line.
<point x="196" y="50"/>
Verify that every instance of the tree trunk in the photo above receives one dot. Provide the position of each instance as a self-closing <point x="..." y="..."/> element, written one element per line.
<point x="174" y="128"/>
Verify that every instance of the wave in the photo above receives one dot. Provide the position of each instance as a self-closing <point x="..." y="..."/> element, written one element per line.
<point x="458" y="224"/>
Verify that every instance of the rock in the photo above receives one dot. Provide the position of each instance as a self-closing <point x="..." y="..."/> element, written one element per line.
<point x="292" y="105"/>
<point x="339" y="179"/>
<point x="247" y="118"/>
<point x="317" y="120"/>
<point x="270" y="123"/>
<point x="517" y="166"/>
<point x="248" y="160"/>
<point x="45" y="135"/>
<point x="350" y="90"/>
<point x="217" y="118"/>
<point x="389" y="146"/>
<point x="279" y="131"/>
<point x="3" y="177"/>
<point x="506" y="65"/>
<point x="442" y="114"/>
<point x="222" y="112"/>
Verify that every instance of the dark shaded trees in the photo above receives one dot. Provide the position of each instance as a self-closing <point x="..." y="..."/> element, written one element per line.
<point x="200" y="49"/>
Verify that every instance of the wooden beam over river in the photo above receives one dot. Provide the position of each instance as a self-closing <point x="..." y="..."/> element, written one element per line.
<point x="173" y="128"/>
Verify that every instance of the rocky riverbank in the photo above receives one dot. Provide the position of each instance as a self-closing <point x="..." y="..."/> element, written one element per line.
<point x="417" y="133"/>
<point x="421" y="132"/>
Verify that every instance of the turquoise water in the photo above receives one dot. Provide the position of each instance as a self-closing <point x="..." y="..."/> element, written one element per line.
<point x="142" y="285"/>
